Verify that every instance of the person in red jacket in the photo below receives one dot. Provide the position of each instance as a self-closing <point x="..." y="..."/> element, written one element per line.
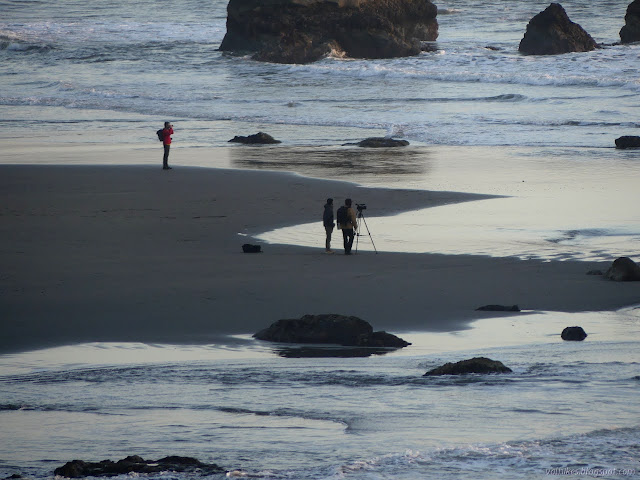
<point x="167" y="132"/>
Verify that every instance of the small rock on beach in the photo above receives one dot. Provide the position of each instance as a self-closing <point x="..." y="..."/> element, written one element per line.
<point x="382" y="142"/>
<point x="499" y="308"/>
<point x="329" y="329"/>
<point x="259" y="138"/>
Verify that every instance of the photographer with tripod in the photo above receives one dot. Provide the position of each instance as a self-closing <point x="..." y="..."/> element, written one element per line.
<point x="347" y="222"/>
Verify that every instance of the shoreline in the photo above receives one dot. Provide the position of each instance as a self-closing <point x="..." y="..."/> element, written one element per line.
<point x="132" y="253"/>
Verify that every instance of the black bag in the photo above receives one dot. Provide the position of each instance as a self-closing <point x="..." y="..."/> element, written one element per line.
<point x="342" y="216"/>
<point x="248" y="248"/>
<point x="160" y="134"/>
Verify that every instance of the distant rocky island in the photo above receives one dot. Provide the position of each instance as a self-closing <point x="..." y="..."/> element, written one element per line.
<point x="304" y="31"/>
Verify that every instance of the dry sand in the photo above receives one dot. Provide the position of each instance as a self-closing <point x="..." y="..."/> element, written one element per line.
<point x="134" y="253"/>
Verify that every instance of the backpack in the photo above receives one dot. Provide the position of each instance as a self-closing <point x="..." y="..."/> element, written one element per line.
<point x="248" y="248"/>
<point x="342" y="216"/>
<point x="160" y="134"/>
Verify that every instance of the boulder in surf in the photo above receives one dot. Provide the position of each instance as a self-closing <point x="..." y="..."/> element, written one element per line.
<point x="473" y="365"/>
<point x="628" y="141"/>
<point x="573" y="334"/>
<point x="631" y="31"/>
<point x="551" y="32"/>
<point x="304" y="31"/>
<point x="136" y="465"/>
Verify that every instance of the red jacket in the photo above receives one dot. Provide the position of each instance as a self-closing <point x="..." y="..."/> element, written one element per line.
<point x="167" y="132"/>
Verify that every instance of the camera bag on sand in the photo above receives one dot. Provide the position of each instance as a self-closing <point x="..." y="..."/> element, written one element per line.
<point x="248" y="248"/>
<point x="160" y="134"/>
<point x="342" y="216"/>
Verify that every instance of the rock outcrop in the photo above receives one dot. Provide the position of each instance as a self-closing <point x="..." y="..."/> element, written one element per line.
<point x="573" y="334"/>
<point x="303" y="31"/>
<point x="329" y="329"/>
<point x="499" y="308"/>
<point x="473" y="365"/>
<point x="623" y="269"/>
<point x="551" y="32"/>
<point x="628" y="141"/>
<point x="631" y="31"/>
<point x="382" y="340"/>
<point x="382" y="142"/>
<point x="136" y="464"/>
<point x="259" y="138"/>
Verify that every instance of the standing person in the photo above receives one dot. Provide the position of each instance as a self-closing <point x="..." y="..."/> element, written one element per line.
<point x="166" y="132"/>
<point x="327" y="220"/>
<point x="347" y="222"/>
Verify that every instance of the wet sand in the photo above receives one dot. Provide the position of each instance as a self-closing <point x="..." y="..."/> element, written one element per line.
<point x="134" y="253"/>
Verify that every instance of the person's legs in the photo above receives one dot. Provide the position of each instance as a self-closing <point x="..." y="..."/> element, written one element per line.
<point x="351" y="236"/>
<point x="327" y="243"/>
<point x="165" y="158"/>
<point x="347" y="235"/>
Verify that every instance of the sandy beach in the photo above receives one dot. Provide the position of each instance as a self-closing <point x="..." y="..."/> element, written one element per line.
<point x="134" y="253"/>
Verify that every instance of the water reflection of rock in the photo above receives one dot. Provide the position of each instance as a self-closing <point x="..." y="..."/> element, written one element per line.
<point x="330" y="351"/>
<point x="331" y="162"/>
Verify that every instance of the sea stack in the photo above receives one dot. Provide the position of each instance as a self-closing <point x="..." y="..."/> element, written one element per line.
<point x="551" y="32"/>
<point x="631" y="31"/>
<point x="303" y="31"/>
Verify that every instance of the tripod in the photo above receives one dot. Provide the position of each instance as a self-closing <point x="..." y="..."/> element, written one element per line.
<point x="362" y="220"/>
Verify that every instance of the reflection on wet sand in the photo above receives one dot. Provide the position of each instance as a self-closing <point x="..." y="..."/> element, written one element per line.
<point x="324" y="351"/>
<point x="332" y="162"/>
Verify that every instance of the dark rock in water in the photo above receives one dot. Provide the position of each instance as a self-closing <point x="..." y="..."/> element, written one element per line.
<point x="551" y="32"/>
<point x="631" y="31"/>
<point x="256" y="138"/>
<point x="499" y="308"/>
<point x="336" y="329"/>
<point x="628" y="141"/>
<point x="136" y="464"/>
<point x="623" y="269"/>
<point x="381" y="339"/>
<point x="303" y="31"/>
<point x="473" y="365"/>
<point x="15" y="476"/>
<point x="595" y="272"/>
<point x="574" y="334"/>
<point x="329" y="329"/>
<point x="382" y="142"/>
<point x="248" y="248"/>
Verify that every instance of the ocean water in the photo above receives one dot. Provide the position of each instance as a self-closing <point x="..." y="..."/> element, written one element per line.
<point x="263" y="411"/>
<point x="125" y="64"/>
<point x="536" y="131"/>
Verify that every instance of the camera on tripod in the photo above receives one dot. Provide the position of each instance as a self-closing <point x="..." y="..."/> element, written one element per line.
<point x="361" y="207"/>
